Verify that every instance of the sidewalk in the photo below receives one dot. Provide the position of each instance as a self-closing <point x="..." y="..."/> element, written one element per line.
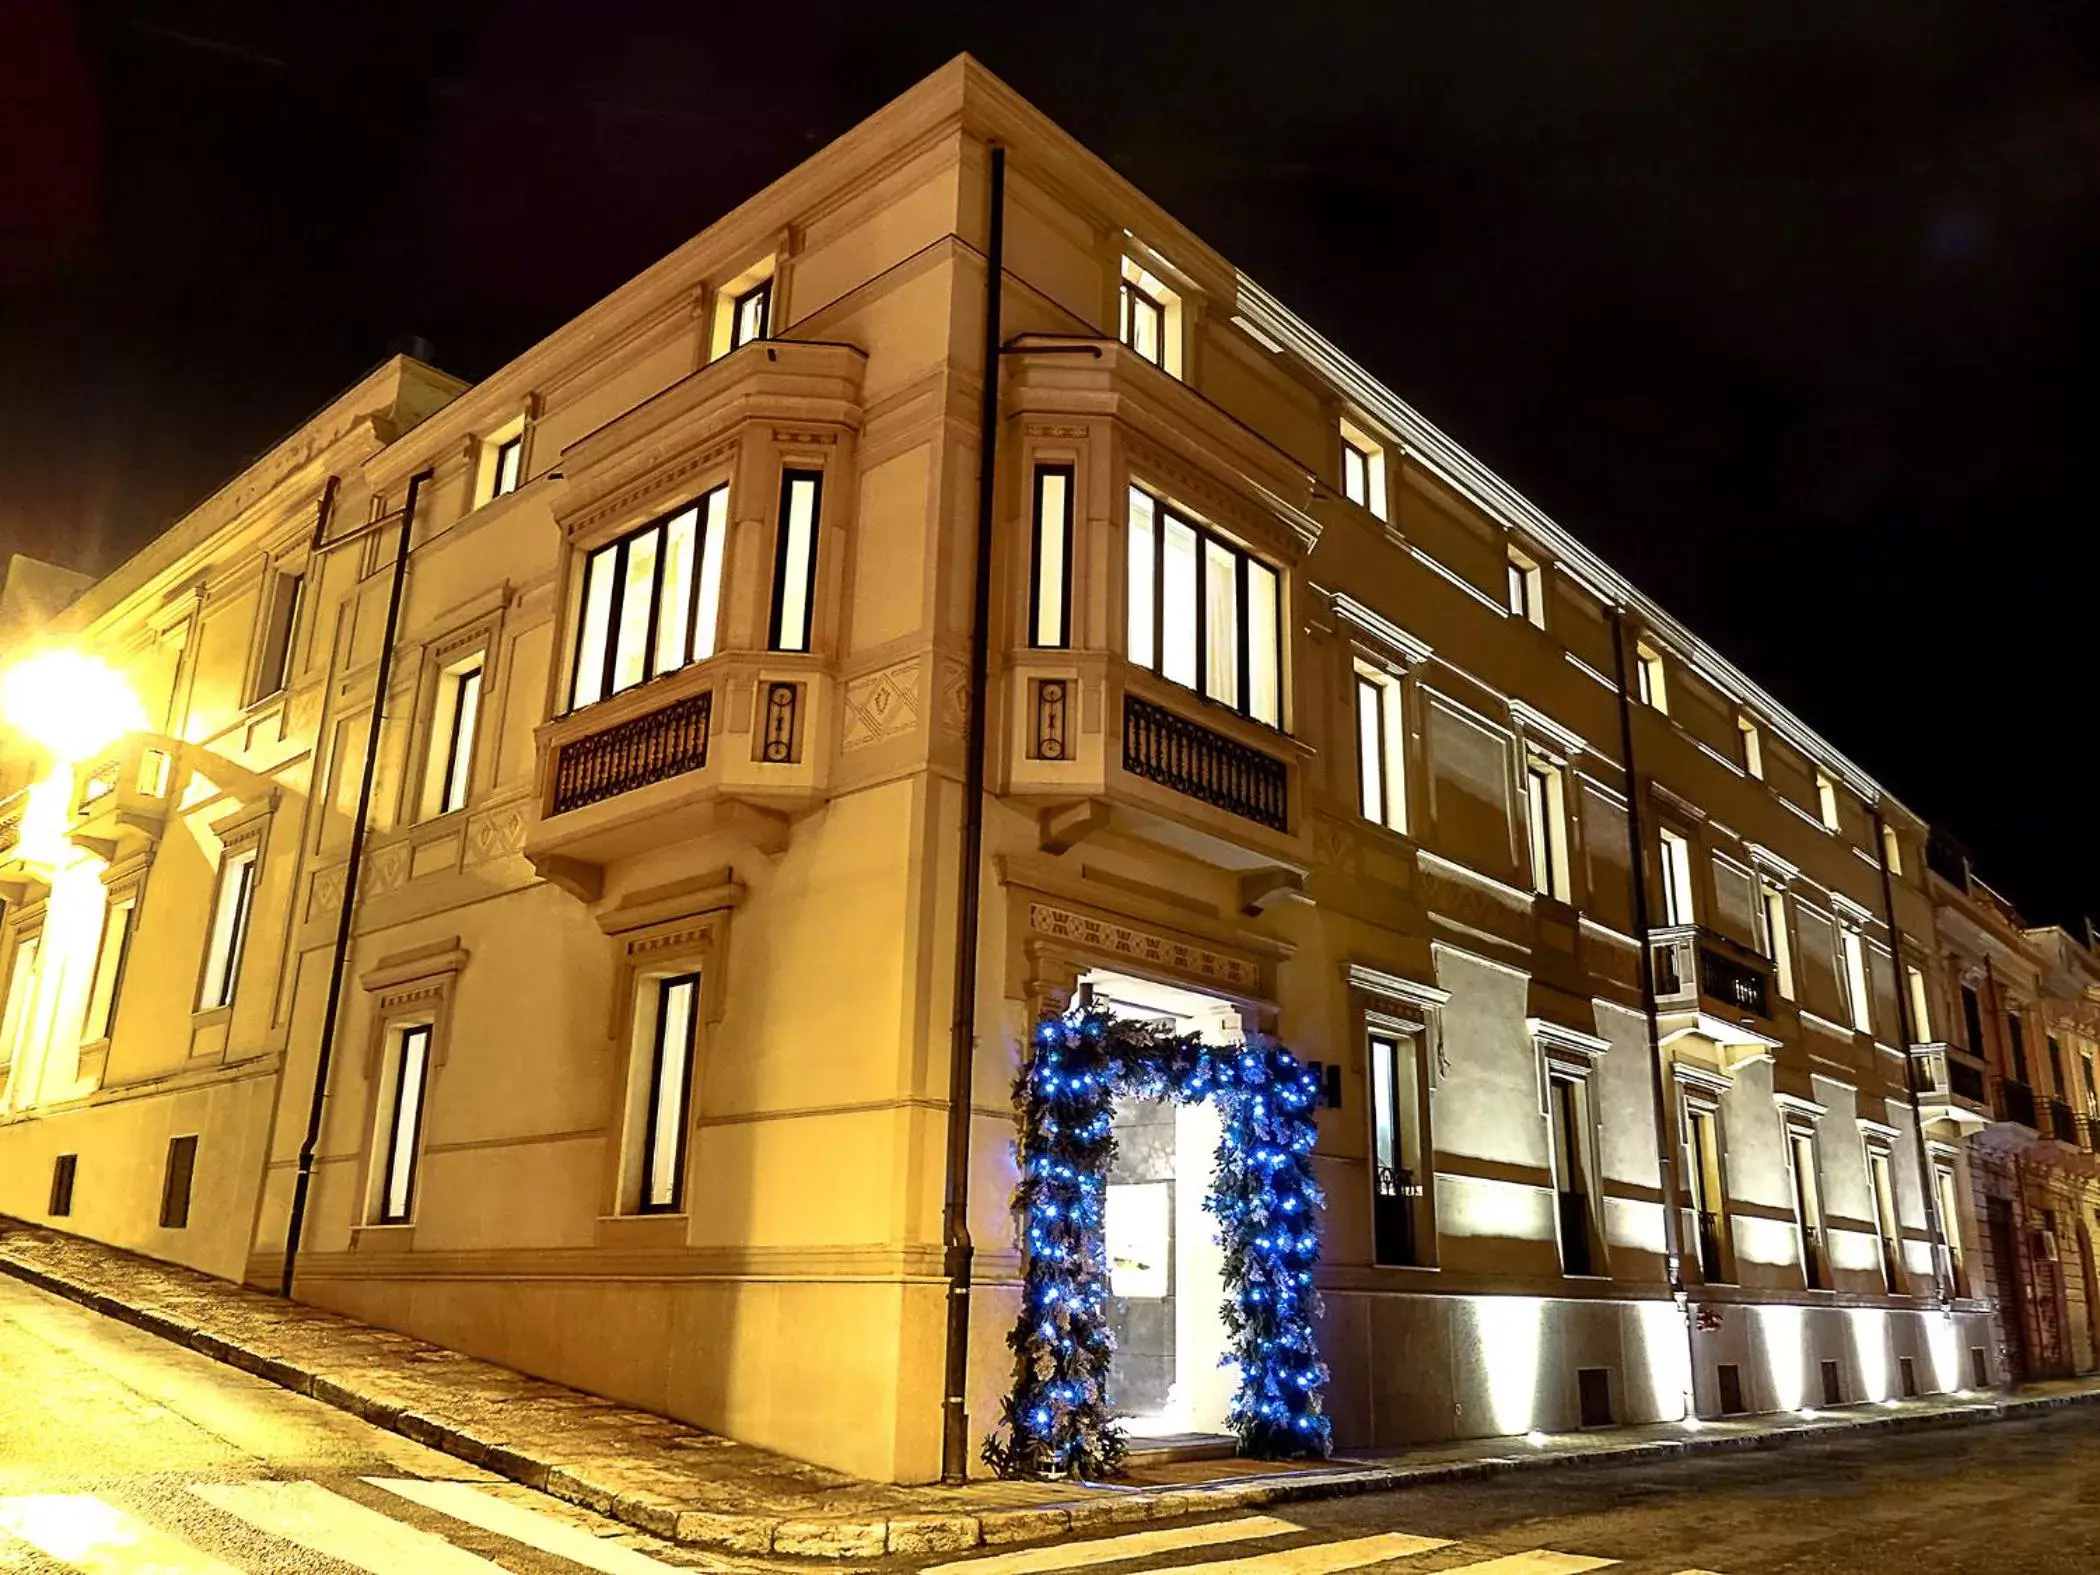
<point x="688" y="1485"/>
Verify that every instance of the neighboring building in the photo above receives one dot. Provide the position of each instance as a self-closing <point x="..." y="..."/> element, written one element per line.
<point x="1300" y="720"/>
<point x="2024" y="1005"/>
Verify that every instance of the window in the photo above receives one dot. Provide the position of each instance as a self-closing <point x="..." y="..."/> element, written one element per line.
<point x="1526" y="590"/>
<point x="64" y="1170"/>
<point x="1703" y="1181"/>
<point x="2059" y="1085"/>
<point x="1203" y="613"/>
<point x="751" y="315"/>
<point x="1852" y="977"/>
<point x="1149" y="317"/>
<point x="670" y="1077"/>
<point x="1771" y="906"/>
<point x="1379" y="761"/>
<point x="1920" y="1005"/>
<point x="229" y="929"/>
<point x="450" y="767"/>
<point x="1808" y="1205"/>
<point x="795" y="560"/>
<point x="1393" y="1124"/>
<point x="2016" y="1046"/>
<point x="404" y="1124"/>
<point x="1050" y="561"/>
<point x="2092" y="1096"/>
<point x="113" y="952"/>
<point x="18" y="1022"/>
<point x="1826" y="800"/>
<point x="1568" y="1107"/>
<point x="1648" y="677"/>
<point x="505" y="465"/>
<point x="1950" y="1226"/>
<point x="1753" y="747"/>
<point x="1676" y="878"/>
<point x="1972" y="1019"/>
<point x="1545" y="812"/>
<point x="1363" y="469"/>
<point x="1891" y="850"/>
<point x="650" y="601"/>
<point x="273" y="664"/>
<point x="175" y="1183"/>
<point x="1885" y="1224"/>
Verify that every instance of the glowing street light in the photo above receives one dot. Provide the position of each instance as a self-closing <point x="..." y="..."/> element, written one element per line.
<point x="73" y="706"/>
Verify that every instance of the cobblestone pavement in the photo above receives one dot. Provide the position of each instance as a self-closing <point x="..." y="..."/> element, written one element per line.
<point x="687" y="1486"/>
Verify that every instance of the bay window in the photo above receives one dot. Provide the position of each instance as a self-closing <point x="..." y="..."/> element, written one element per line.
<point x="1204" y="613"/>
<point x="651" y="601"/>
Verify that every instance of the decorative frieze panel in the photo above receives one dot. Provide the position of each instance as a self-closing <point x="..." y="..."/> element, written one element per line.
<point x="1160" y="951"/>
<point x="880" y="705"/>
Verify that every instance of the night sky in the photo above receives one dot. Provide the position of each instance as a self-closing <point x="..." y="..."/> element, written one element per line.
<point x="1794" y="317"/>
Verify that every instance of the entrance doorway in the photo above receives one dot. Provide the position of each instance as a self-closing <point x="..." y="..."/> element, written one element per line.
<point x="1169" y="1377"/>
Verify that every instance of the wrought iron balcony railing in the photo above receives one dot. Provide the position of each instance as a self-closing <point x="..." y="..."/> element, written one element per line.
<point x="2016" y="1103"/>
<point x="2069" y="1129"/>
<point x="1169" y="749"/>
<point x="631" y="754"/>
<point x="1965" y="1081"/>
<point x="1692" y="962"/>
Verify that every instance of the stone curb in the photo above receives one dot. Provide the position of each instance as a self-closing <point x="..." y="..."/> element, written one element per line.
<point x="916" y="1534"/>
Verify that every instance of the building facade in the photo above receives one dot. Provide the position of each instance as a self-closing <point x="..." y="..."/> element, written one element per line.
<point x="623" y="703"/>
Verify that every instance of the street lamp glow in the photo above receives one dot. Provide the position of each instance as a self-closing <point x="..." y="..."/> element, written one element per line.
<point x="73" y="704"/>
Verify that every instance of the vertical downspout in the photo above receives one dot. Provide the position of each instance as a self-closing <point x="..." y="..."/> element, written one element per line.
<point x="962" y="1043"/>
<point x="303" y="1182"/>
<point x="1665" y="1149"/>
<point x="1909" y="1030"/>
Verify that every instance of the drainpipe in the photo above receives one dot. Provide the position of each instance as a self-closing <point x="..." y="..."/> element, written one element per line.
<point x="962" y="1043"/>
<point x="303" y="1182"/>
<point x="1665" y="1150"/>
<point x="1933" y="1226"/>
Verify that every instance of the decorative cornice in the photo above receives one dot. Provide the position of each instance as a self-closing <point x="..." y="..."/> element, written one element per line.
<point x="1530" y="719"/>
<point x="1380" y="628"/>
<point x="1559" y="1036"/>
<point x="1393" y="986"/>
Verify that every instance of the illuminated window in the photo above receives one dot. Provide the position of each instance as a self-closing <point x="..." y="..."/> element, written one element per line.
<point x="1649" y="682"/>
<point x="1149" y="318"/>
<point x="450" y="767"/>
<point x="650" y="601"/>
<point x="1891" y="849"/>
<point x="1879" y="1173"/>
<point x="1204" y="613"/>
<point x="751" y="315"/>
<point x="1526" y="590"/>
<point x="670" y="1072"/>
<point x="1395" y="1124"/>
<point x="1826" y="800"/>
<point x="500" y="470"/>
<point x="1703" y="1182"/>
<point x="1381" y="781"/>
<point x="1920" y="1005"/>
<point x="1852" y="977"/>
<point x="17" y="1025"/>
<point x="229" y="929"/>
<point x="1771" y="908"/>
<point x="1545" y="815"/>
<point x="795" y="560"/>
<point x="1950" y="1226"/>
<point x="1676" y="878"/>
<point x="508" y="459"/>
<point x="1363" y="469"/>
<point x="1050" y="561"/>
<point x="404" y="1091"/>
<point x="273" y="666"/>
<point x="1808" y="1205"/>
<point x="111" y="955"/>
<point x="1753" y="747"/>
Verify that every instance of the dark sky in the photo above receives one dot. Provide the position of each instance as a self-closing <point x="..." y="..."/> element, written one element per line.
<point x="1791" y="311"/>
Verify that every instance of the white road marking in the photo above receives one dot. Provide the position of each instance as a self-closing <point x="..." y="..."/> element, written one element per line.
<point x="1536" y="1562"/>
<point x="1113" y="1550"/>
<point x="82" y="1531"/>
<point x="341" y="1528"/>
<point x="1321" y="1558"/>
<point x="463" y="1501"/>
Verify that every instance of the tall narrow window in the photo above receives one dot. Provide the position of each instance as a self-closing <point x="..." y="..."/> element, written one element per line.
<point x="1545" y="816"/>
<point x="1649" y="681"/>
<point x="1381" y="782"/>
<point x="795" y="560"/>
<point x="1972" y="1020"/>
<point x="507" y="466"/>
<point x="273" y="667"/>
<point x="1885" y="1221"/>
<point x="2016" y="1047"/>
<point x="404" y="1124"/>
<point x="2059" y="1085"/>
<point x="1826" y="800"/>
<point x="1527" y="588"/>
<point x="1143" y="324"/>
<point x="1676" y="878"/>
<point x="651" y="601"/>
<point x="1892" y="850"/>
<point x="1852" y="975"/>
<point x="111" y="955"/>
<point x="1920" y="1005"/>
<point x="1950" y="1226"/>
<point x="1703" y="1181"/>
<point x="1753" y="747"/>
<point x="175" y="1183"/>
<point x="1771" y="903"/>
<point x="1203" y="613"/>
<point x="229" y="929"/>
<point x="1363" y="469"/>
<point x="751" y="315"/>
<point x="1570" y="1113"/>
<point x="1393" y="1186"/>
<point x="1050" y="563"/>
<point x="2092" y="1096"/>
<point x="16" y="1024"/>
<point x="1808" y="1206"/>
<point x="670" y="1077"/>
<point x="451" y="760"/>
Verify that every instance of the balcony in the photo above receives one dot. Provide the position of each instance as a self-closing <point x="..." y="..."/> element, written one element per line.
<point x="1950" y="1086"/>
<point x="2016" y="1103"/>
<point x="122" y="798"/>
<point x="1709" y="985"/>
<point x="1190" y="758"/>
<point x="2065" y="1124"/>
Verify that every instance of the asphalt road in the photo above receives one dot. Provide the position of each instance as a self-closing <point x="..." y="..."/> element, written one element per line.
<point x="121" y="1454"/>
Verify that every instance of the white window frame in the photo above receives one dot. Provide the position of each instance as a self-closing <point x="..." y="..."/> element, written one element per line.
<point x="1807" y="1189"/>
<point x="1881" y="1190"/>
<point x="1773" y="929"/>
<point x="1381" y="747"/>
<point x="1826" y="799"/>
<point x="1546" y="826"/>
<point x="1891" y="849"/>
<point x="1920" y="1003"/>
<point x="455" y="719"/>
<point x="283" y="600"/>
<point x="1651" y="681"/>
<point x="1363" y="483"/>
<point x="1527" y="589"/>
<point x="1258" y="674"/>
<point x="226" y="941"/>
<point x="1753" y="746"/>
<point x="756" y="288"/>
<point x="112" y="958"/>
<point x="1674" y="857"/>
<point x="1141" y="295"/>
<point x="595" y="671"/>
<point x="1852" y="974"/>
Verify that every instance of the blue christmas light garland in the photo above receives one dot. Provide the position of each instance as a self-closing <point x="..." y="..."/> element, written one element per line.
<point x="1057" y="1421"/>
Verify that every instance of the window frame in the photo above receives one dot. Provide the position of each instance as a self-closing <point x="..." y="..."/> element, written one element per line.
<point x="506" y="465"/>
<point x="1388" y="700"/>
<point x="1807" y="1200"/>
<point x="1827" y="813"/>
<point x="681" y="1127"/>
<point x="790" y="477"/>
<point x="1853" y="981"/>
<point x="1546" y="828"/>
<point x="1674" y="865"/>
<point x="460" y="719"/>
<point x="1753" y="746"/>
<point x="100" y="1019"/>
<point x="277" y="634"/>
<point x="710" y="521"/>
<point x="175" y="1201"/>
<point x="1041" y="527"/>
<point x="1920" y="1002"/>
<point x="1527" y="589"/>
<point x="1651" y="681"/>
<point x="245" y="862"/>
<point x="762" y="293"/>
<point x="1881" y="1194"/>
<point x="401" y="1152"/>
<point x="1404" y="1044"/>
<point x="1571" y="1148"/>
<point x="1133" y="298"/>
<point x="1778" y="939"/>
<point x="1369" y="454"/>
<point x="1245" y="561"/>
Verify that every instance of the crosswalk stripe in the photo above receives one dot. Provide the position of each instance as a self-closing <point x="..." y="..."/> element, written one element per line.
<point x="464" y="1501"/>
<point x="1536" y="1562"/>
<point x="341" y="1528"/>
<point x="1113" y="1550"/>
<point x="100" y="1539"/>
<point x="1321" y="1558"/>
